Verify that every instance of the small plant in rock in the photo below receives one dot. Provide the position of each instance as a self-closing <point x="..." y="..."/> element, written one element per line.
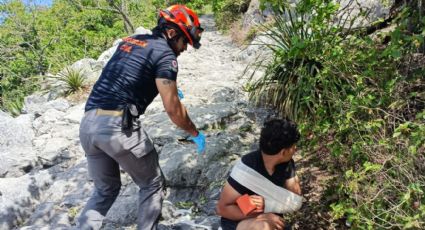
<point x="203" y="200"/>
<point x="14" y="106"/>
<point x="245" y="128"/>
<point x="72" y="212"/>
<point x="251" y="34"/>
<point x="73" y="78"/>
<point x="184" y="204"/>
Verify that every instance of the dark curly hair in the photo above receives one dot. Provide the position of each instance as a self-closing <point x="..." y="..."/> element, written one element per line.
<point x="278" y="134"/>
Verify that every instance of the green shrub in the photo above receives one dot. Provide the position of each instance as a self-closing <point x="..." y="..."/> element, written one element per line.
<point x="361" y="104"/>
<point x="300" y="79"/>
<point x="13" y="89"/>
<point x="227" y="12"/>
<point x="14" y="105"/>
<point x="200" y="6"/>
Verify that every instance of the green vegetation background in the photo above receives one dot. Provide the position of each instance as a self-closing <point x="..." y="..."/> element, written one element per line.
<point x="357" y="94"/>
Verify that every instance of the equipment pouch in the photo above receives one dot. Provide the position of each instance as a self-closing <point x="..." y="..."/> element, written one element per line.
<point x="127" y="119"/>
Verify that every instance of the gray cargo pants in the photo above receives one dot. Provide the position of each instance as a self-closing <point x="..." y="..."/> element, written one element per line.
<point x="107" y="148"/>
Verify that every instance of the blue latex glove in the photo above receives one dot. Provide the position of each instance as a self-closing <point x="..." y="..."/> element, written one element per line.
<point x="199" y="141"/>
<point x="180" y="94"/>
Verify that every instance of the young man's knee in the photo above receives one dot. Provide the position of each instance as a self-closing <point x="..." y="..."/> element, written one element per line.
<point x="255" y="225"/>
<point x="262" y="225"/>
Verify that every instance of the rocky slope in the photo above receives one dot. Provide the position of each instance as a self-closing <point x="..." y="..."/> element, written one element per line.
<point x="43" y="174"/>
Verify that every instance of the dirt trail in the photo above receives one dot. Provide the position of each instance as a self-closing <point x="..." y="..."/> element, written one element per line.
<point x="212" y="66"/>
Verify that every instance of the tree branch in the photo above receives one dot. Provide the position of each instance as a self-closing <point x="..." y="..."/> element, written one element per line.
<point x="122" y="11"/>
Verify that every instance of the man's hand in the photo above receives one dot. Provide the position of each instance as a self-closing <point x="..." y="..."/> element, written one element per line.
<point x="259" y="203"/>
<point x="275" y="221"/>
<point x="199" y="141"/>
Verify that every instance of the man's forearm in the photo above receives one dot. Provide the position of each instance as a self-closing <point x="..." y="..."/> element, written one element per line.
<point x="175" y="109"/>
<point x="181" y="118"/>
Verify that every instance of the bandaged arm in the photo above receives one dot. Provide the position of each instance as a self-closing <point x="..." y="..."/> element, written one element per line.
<point x="277" y="199"/>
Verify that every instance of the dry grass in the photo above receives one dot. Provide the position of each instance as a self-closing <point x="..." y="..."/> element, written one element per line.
<point x="80" y="95"/>
<point x="243" y="36"/>
<point x="237" y="33"/>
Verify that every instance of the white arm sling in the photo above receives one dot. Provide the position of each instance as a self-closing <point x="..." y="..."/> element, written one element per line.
<point x="276" y="199"/>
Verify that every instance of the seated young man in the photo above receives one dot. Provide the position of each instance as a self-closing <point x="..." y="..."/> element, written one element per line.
<point x="274" y="162"/>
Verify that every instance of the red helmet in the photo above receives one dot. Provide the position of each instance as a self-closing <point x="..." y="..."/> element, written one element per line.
<point x="186" y="19"/>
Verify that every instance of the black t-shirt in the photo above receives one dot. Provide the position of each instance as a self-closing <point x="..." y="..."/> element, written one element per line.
<point x="255" y="161"/>
<point x="129" y="76"/>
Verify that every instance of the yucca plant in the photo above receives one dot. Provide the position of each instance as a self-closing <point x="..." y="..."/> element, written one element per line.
<point x="300" y="76"/>
<point x="73" y="78"/>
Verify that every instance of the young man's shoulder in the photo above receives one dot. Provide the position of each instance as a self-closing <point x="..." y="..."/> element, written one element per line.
<point x="252" y="159"/>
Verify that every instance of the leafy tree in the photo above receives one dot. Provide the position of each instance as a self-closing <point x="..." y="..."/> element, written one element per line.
<point x="35" y="40"/>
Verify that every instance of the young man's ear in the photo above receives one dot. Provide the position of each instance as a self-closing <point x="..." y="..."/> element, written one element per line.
<point x="286" y="151"/>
